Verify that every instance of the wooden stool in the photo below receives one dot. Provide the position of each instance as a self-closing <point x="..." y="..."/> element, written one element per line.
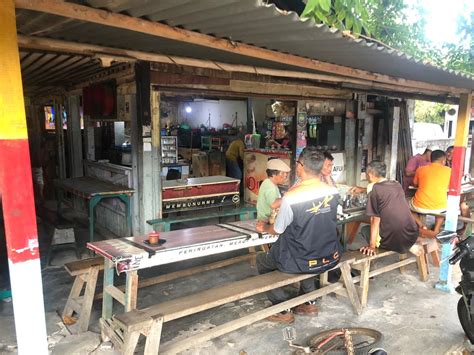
<point x="86" y="272"/>
<point x="63" y="238"/>
<point x="435" y="259"/>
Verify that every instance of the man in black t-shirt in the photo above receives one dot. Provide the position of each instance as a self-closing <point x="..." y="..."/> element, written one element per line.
<point x="308" y="241"/>
<point x="391" y="222"/>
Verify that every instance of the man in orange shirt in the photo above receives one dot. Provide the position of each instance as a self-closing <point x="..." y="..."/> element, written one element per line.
<point x="431" y="197"/>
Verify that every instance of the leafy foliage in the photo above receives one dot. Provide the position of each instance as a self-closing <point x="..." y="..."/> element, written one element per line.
<point x="430" y="112"/>
<point x="460" y="57"/>
<point x="343" y="14"/>
<point x="387" y="21"/>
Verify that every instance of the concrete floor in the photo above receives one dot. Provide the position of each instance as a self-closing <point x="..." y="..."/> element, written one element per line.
<point x="413" y="316"/>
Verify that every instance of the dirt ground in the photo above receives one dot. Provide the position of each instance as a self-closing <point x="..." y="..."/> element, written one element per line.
<point x="413" y="316"/>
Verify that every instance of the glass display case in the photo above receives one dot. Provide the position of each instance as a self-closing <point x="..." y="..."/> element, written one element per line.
<point x="169" y="150"/>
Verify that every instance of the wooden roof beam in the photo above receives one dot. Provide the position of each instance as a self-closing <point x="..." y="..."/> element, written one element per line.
<point x="53" y="45"/>
<point x="69" y="61"/>
<point x="38" y="64"/>
<point x="106" y="18"/>
<point x="58" y="73"/>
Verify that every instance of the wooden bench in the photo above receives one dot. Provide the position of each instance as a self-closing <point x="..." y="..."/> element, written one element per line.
<point x="125" y="329"/>
<point x="364" y="264"/>
<point x="164" y="224"/>
<point x="79" y="304"/>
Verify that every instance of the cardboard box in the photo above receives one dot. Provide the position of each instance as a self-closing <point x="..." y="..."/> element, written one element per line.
<point x="187" y="153"/>
<point x="200" y="164"/>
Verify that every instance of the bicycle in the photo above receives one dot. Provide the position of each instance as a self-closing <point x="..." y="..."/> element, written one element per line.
<point x="352" y="341"/>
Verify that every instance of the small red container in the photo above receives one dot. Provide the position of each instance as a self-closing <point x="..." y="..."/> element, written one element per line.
<point x="153" y="237"/>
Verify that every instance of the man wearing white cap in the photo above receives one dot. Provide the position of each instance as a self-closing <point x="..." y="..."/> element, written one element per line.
<point x="269" y="197"/>
<point x="414" y="163"/>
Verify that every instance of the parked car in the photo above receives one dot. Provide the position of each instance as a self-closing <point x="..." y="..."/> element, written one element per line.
<point x="427" y="131"/>
<point x="426" y="134"/>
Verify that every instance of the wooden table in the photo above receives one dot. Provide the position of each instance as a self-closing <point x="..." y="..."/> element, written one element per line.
<point x="467" y="192"/>
<point x="94" y="191"/>
<point x="164" y="224"/>
<point x="132" y="254"/>
<point x="350" y="222"/>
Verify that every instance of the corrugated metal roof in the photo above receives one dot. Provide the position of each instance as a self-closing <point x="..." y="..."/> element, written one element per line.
<point x="41" y="71"/>
<point x="248" y="21"/>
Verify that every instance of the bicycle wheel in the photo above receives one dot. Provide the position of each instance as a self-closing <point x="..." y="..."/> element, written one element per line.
<point x="363" y="339"/>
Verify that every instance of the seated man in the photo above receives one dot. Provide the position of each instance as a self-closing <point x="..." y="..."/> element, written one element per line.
<point x="432" y="193"/>
<point x="391" y="223"/>
<point x="413" y="164"/>
<point x="269" y="197"/>
<point x="449" y="156"/>
<point x="306" y="223"/>
<point x="326" y="172"/>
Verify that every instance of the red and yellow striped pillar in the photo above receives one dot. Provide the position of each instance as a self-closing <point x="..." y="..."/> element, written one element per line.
<point x="16" y="189"/>
<point x="454" y="192"/>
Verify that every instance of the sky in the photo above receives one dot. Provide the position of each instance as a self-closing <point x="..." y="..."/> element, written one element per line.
<point x="441" y="17"/>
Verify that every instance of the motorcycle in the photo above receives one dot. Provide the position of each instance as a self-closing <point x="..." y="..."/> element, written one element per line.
<point x="464" y="252"/>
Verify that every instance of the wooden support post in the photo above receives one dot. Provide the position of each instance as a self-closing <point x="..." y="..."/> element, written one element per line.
<point x="130" y="342"/>
<point x="349" y="285"/>
<point x="60" y="148"/>
<point x="152" y="345"/>
<point x="75" y="136"/>
<point x="76" y="289"/>
<point x="360" y="138"/>
<point x="16" y="188"/>
<point x="107" y="301"/>
<point x="403" y="268"/>
<point x="109" y="334"/>
<point x="131" y="290"/>
<point x="145" y="151"/>
<point x="253" y="261"/>
<point x="88" y="299"/>
<point x="436" y="261"/>
<point x="422" y="270"/>
<point x="156" y="154"/>
<point x="364" y="283"/>
<point x="89" y="138"/>
<point x="392" y="168"/>
<point x="323" y="281"/>
<point x="350" y="143"/>
<point x="249" y="121"/>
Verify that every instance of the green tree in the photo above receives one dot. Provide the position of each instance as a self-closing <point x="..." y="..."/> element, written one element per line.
<point x="386" y="21"/>
<point x="430" y="112"/>
<point x="460" y="56"/>
<point x="350" y="15"/>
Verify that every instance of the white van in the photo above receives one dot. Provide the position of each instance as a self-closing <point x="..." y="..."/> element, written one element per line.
<point x="423" y="131"/>
<point x="426" y="134"/>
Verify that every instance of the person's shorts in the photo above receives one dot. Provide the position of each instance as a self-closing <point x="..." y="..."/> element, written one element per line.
<point x="423" y="210"/>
